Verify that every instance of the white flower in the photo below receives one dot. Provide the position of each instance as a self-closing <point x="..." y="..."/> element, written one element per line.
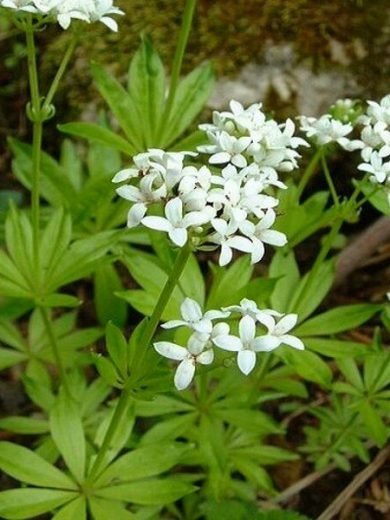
<point x="194" y="319"/>
<point x="188" y="357"/>
<point x="226" y="238"/>
<point x="246" y="344"/>
<point x="249" y="308"/>
<point x="277" y="333"/>
<point x="227" y="148"/>
<point x="175" y="224"/>
<point x="21" y="5"/>
<point x="261" y="234"/>
<point x="329" y="130"/>
<point x="380" y="171"/>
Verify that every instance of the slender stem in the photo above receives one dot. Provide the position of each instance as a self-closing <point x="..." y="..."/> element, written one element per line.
<point x="59" y="74"/>
<point x="308" y="173"/>
<point x="125" y="397"/>
<point x="119" y="414"/>
<point x="55" y="348"/>
<point x="329" y="180"/>
<point x="178" y="58"/>
<point x="35" y="108"/>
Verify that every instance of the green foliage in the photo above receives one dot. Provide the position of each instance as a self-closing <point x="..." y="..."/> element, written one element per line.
<point x="140" y="109"/>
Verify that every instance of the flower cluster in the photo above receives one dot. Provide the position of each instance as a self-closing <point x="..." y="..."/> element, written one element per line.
<point x="334" y="127"/>
<point x="231" y="206"/>
<point x="64" y="11"/>
<point x="375" y="141"/>
<point x="205" y="335"/>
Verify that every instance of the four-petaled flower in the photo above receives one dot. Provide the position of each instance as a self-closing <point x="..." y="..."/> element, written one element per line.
<point x="188" y="357"/>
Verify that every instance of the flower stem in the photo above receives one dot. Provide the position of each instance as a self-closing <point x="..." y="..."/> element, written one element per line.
<point x="59" y="74"/>
<point x="126" y="395"/>
<point x="308" y="173"/>
<point x="55" y="348"/>
<point x="329" y="180"/>
<point x="35" y="109"/>
<point x="178" y="59"/>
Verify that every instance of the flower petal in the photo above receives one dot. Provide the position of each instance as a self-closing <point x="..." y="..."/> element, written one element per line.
<point x="285" y="324"/>
<point x="265" y="343"/>
<point x="206" y="357"/>
<point x="178" y="236"/>
<point x="184" y="374"/>
<point x="246" y="361"/>
<point x="190" y="310"/>
<point x="292" y="341"/>
<point x="171" y="350"/>
<point x="228" y="342"/>
<point x="159" y="223"/>
<point x="247" y="328"/>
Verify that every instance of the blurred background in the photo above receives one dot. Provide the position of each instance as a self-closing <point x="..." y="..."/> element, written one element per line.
<point x="297" y="56"/>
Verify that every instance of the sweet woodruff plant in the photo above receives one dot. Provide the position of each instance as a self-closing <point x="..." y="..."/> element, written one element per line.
<point x="233" y="192"/>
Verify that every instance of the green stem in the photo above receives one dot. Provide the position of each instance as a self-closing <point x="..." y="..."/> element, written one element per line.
<point x="35" y="109"/>
<point x="178" y="59"/>
<point x="308" y="173"/>
<point x="125" y="397"/>
<point x="329" y="180"/>
<point x="55" y="348"/>
<point x="59" y="74"/>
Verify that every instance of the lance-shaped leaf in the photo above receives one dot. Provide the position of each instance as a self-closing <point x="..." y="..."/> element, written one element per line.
<point x="121" y="104"/>
<point x="147" y="89"/>
<point x="142" y="463"/>
<point x="67" y="432"/>
<point x="75" y="510"/>
<point x="191" y="96"/>
<point x="98" y="134"/>
<point x="151" y="492"/>
<point x="16" y="504"/>
<point x="26" y="466"/>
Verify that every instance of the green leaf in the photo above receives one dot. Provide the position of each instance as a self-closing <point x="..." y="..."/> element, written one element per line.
<point x="249" y="420"/>
<point x="19" y="240"/>
<point x="191" y="96"/>
<point x="59" y="300"/>
<point x="106" y="370"/>
<point x="104" y="509"/>
<point x="378" y="198"/>
<point x="374" y="424"/>
<point x="284" y="267"/>
<point x="149" y="493"/>
<point x="142" y="463"/>
<point x="337" y="320"/>
<point x="55" y="240"/>
<point x="140" y="266"/>
<point x="12" y="281"/>
<point x="55" y="185"/>
<point x="108" y="306"/>
<point x="98" y="134"/>
<point x="81" y="258"/>
<point x="336" y="348"/>
<point x="16" y="504"/>
<point x="9" y="358"/>
<point x="307" y="364"/>
<point x="229" y="283"/>
<point x="24" y="425"/>
<point x="68" y="434"/>
<point x="309" y="294"/>
<point x="117" y="348"/>
<point x="72" y="163"/>
<point x="190" y="142"/>
<point x="147" y="89"/>
<point x="121" y="104"/>
<point x="26" y="466"/>
<point x="75" y="510"/>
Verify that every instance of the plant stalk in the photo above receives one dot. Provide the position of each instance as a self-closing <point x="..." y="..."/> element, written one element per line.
<point x="55" y="349"/>
<point x="126" y="395"/>
<point x="309" y="172"/>
<point x="178" y="58"/>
